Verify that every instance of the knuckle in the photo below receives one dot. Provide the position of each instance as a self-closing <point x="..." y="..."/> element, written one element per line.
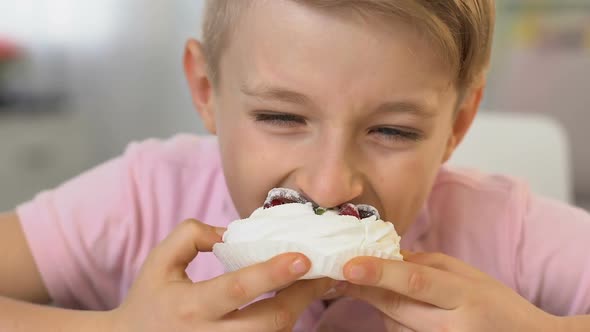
<point x="185" y="313"/>
<point x="392" y="303"/>
<point x="194" y="228"/>
<point x="236" y="290"/>
<point x="418" y="283"/>
<point x="191" y="225"/>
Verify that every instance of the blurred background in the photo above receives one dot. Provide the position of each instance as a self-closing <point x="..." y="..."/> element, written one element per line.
<point x="79" y="80"/>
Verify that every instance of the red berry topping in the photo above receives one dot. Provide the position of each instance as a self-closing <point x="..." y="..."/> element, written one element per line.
<point x="349" y="209"/>
<point x="276" y="201"/>
<point x="280" y="196"/>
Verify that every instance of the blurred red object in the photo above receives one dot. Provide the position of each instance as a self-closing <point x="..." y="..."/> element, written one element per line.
<point x="9" y="50"/>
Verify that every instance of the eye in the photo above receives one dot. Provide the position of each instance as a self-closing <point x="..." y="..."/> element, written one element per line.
<point x="279" y="119"/>
<point x="396" y="134"/>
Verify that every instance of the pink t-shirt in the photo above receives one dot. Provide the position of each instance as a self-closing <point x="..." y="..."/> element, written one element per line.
<point x="90" y="236"/>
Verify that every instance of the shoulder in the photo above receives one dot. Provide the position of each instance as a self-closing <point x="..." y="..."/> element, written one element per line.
<point x="182" y="150"/>
<point x="177" y="167"/>
<point x="502" y="198"/>
<point x="466" y="179"/>
<point x="477" y="218"/>
<point x="467" y="191"/>
<point x="181" y="177"/>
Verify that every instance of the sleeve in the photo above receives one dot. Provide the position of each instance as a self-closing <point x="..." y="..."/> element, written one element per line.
<point x="553" y="265"/>
<point x="80" y="234"/>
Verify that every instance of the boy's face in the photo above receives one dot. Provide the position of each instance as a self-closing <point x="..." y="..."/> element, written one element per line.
<point x="339" y="108"/>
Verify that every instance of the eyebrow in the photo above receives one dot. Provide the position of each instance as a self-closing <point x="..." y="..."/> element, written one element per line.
<point x="406" y="107"/>
<point x="276" y="93"/>
<point x="293" y="97"/>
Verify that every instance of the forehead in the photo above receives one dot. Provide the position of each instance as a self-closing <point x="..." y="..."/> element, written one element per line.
<point x="327" y="53"/>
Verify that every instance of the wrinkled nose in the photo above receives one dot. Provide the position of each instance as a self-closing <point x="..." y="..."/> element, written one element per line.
<point x="330" y="177"/>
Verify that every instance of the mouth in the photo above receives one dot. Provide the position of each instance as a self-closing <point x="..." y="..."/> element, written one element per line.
<point x="280" y="196"/>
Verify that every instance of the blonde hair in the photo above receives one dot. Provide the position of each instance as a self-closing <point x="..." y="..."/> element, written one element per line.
<point x="462" y="30"/>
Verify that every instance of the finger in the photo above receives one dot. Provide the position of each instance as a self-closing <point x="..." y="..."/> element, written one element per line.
<point x="233" y="290"/>
<point x="281" y="312"/>
<point x="182" y="245"/>
<point x="440" y="288"/>
<point x="443" y="262"/>
<point x="400" y="309"/>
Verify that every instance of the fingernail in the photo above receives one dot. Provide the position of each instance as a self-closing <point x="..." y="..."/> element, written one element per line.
<point x="298" y="266"/>
<point x="330" y="292"/>
<point x="357" y="272"/>
<point x="338" y="287"/>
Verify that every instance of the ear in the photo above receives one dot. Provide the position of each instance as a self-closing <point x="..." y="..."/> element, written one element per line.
<point x="463" y="119"/>
<point x="195" y="70"/>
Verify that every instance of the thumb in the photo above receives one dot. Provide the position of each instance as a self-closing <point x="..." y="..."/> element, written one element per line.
<point x="181" y="246"/>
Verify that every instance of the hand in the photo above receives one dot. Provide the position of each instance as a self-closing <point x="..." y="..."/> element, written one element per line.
<point x="163" y="298"/>
<point x="435" y="292"/>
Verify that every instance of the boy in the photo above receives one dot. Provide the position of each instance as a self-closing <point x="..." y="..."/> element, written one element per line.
<point x="344" y="101"/>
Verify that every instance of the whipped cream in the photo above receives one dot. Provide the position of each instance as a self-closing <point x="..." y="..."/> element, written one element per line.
<point x="329" y="233"/>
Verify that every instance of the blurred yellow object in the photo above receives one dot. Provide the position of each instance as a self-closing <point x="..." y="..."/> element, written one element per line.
<point x="526" y="31"/>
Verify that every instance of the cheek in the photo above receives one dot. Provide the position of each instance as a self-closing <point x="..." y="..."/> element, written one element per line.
<point x="252" y="164"/>
<point x="242" y="174"/>
<point x="404" y="182"/>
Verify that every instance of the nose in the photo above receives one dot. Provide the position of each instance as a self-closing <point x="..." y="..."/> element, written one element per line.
<point x="330" y="177"/>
